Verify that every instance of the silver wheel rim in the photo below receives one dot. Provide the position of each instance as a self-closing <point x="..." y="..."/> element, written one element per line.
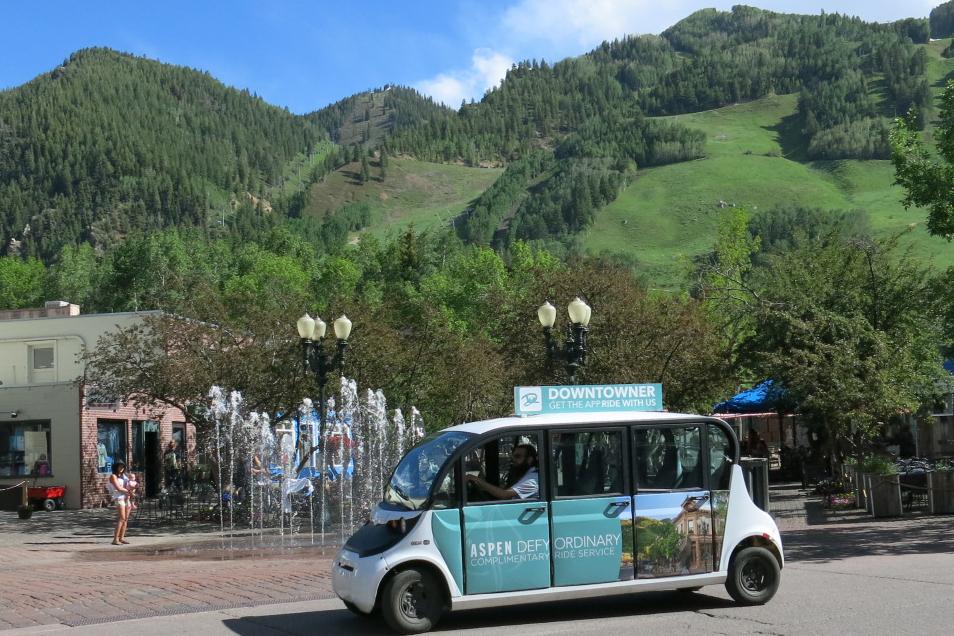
<point x="413" y="600"/>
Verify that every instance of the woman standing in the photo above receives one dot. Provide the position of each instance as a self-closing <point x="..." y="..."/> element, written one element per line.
<point x="118" y="488"/>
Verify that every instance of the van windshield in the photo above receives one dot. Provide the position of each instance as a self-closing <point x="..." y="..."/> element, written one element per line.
<point x="413" y="479"/>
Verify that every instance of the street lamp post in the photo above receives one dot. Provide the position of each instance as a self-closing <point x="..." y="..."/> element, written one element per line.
<point x="573" y="352"/>
<point x="320" y="361"/>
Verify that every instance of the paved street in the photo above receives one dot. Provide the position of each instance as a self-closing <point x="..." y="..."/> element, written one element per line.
<point x="846" y="575"/>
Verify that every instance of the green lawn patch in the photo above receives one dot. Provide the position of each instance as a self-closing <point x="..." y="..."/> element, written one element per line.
<point x="668" y="214"/>
<point x="425" y="194"/>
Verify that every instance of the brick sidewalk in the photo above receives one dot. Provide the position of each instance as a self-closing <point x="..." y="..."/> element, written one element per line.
<point x="792" y="507"/>
<point x="70" y="574"/>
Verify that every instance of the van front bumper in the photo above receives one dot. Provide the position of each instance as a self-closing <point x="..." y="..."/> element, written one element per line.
<point x="356" y="580"/>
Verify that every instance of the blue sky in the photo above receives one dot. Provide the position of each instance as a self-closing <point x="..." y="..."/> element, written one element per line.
<point x="305" y="55"/>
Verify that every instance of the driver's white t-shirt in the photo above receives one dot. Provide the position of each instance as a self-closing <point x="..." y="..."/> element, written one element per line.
<point x="528" y="486"/>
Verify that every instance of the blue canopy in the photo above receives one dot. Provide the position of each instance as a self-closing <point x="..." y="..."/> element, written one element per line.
<point x="759" y="399"/>
<point x="949" y="366"/>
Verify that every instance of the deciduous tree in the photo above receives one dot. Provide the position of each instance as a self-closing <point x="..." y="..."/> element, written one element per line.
<point x="928" y="181"/>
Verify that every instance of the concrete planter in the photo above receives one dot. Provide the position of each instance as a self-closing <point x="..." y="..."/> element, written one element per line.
<point x="884" y="495"/>
<point x="941" y="492"/>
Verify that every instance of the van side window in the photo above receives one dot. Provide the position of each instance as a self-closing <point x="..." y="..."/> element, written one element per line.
<point x="669" y="458"/>
<point x="492" y="472"/>
<point x="721" y="452"/>
<point x="587" y="462"/>
<point x="446" y="495"/>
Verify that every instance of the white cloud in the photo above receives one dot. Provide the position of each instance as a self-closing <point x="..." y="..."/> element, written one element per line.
<point x="563" y="23"/>
<point x="485" y="72"/>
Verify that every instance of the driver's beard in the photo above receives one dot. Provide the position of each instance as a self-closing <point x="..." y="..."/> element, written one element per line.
<point x="516" y="473"/>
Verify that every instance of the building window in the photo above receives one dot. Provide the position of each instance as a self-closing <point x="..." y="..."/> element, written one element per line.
<point x="110" y="444"/>
<point x="42" y="358"/>
<point x="41" y="363"/>
<point x="25" y="449"/>
<point x="179" y="436"/>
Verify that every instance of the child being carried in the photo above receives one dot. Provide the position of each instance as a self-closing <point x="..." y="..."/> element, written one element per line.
<point x="132" y="487"/>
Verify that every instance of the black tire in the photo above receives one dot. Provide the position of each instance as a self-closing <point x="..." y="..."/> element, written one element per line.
<point x="412" y="602"/>
<point x="754" y="576"/>
<point x="49" y="505"/>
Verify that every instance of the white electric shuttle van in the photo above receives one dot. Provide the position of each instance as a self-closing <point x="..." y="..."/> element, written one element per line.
<point x="559" y="506"/>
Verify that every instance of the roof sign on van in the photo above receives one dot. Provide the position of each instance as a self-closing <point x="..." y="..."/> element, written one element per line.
<point x="592" y="398"/>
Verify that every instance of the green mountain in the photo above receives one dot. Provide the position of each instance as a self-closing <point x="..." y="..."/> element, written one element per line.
<point x="596" y="117"/>
<point x="629" y="150"/>
<point x="108" y="143"/>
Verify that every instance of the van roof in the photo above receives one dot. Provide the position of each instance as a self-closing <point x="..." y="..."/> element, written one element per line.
<point x="573" y="419"/>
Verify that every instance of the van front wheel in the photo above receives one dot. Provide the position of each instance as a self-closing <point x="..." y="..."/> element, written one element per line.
<point x="412" y="602"/>
<point x="753" y="577"/>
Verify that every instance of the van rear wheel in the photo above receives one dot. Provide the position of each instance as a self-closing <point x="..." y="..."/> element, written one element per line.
<point x="412" y="602"/>
<point x="753" y="577"/>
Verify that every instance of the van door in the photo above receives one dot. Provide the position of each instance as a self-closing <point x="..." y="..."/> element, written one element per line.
<point x="506" y="520"/>
<point x="673" y="511"/>
<point x="721" y="453"/>
<point x="592" y="520"/>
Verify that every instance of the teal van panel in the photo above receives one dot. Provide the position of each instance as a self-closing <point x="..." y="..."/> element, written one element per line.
<point x="507" y="547"/>
<point x="592" y="540"/>
<point x="445" y="526"/>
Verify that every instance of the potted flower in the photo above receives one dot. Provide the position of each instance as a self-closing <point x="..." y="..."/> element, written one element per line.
<point x="941" y="488"/>
<point x="884" y="489"/>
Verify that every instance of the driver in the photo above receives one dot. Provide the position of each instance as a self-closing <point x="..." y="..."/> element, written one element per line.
<point x="523" y="478"/>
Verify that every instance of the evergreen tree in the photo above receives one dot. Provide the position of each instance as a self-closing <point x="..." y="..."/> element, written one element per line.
<point x="365" y="170"/>
<point x="942" y="20"/>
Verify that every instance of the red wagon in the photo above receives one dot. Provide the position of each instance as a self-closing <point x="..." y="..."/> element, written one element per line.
<point x="47" y="497"/>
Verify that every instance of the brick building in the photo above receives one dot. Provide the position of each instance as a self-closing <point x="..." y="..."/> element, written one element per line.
<point x="51" y="430"/>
